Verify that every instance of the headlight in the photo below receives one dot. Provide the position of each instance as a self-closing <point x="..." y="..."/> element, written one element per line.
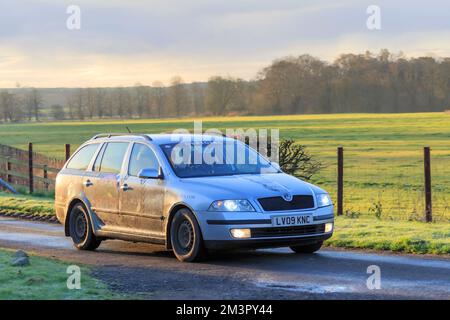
<point x="323" y="200"/>
<point x="231" y="205"/>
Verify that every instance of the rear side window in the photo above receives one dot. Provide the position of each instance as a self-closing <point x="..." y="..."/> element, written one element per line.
<point x="142" y="157"/>
<point x="82" y="158"/>
<point x="111" y="161"/>
<point x="99" y="158"/>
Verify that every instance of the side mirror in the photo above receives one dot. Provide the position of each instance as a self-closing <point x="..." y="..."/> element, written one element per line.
<point x="151" y="174"/>
<point x="275" y="165"/>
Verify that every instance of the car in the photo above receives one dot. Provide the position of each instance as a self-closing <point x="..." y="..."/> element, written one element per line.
<point x="134" y="187"/>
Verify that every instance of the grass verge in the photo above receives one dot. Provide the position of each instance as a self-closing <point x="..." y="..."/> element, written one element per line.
<point x="26" y="206"/>
<point x="398" y="236"/>
<point x="46" y="279"/>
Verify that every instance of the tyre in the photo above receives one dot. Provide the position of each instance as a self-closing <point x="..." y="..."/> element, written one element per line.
<point x="186" y="238"/>
<point x="309" y="248"/>
<point x="80" y="229"/>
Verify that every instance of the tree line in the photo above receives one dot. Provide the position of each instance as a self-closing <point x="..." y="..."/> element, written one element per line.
<point x="382" y="82"/>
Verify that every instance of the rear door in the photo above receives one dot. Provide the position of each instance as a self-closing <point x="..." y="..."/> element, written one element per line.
<point x="70" y="179"/>
<point x="101" y="185"/>
<point x="142" y="200"/>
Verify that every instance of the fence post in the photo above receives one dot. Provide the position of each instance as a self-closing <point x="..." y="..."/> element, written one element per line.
<point x="45" y="177"/>
<point x="427" y="171"/>
<point x="30" y="166"/>
<point x="340" y="182"/>
<point x="8" y="169"/>
<point x="67" y="151"/>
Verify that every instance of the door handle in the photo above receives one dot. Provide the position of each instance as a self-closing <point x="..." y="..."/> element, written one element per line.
<point x="88" y="183"/>
<point x="125" y="187"/>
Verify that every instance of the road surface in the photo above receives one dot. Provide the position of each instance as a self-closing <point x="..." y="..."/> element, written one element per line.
<point x="153" y="273"/>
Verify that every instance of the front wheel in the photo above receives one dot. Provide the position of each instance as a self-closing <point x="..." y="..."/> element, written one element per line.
<point x="80" y="229"/>
<point x="186" y="238"/>
<point x="309" y="248"/>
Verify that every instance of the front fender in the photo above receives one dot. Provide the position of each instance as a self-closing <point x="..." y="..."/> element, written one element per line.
<point x="168" y="220"/>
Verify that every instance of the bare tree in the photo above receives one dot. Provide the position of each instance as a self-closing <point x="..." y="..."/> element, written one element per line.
<point x="293" y="84"/>
<point x="90" y="102"/>
<point x="223" y="94"/>
<point x="7" y="105"/>
<point x="158" y="97"/>
<point x="178" y="97"/>
<point x="141" y="99"/>
<point x="123" y="103"/>
<point x="127" y="102"/>
<point x="198" y="98"/>
<point x="108" y="103"/>
<point x="76" y="104"/>
<point x="33" y="104"/>
<point x="100" y="97"/>
<point x="71" y="107"/>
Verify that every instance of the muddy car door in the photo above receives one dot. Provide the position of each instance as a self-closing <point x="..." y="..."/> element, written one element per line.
<point x="142" y="198"/>
<point x="70" y="179"/>
<point x="101" y="185"/>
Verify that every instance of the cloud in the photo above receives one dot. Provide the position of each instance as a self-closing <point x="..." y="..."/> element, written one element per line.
<point x="123" y="42"/>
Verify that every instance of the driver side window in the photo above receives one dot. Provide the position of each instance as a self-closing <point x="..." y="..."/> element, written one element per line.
<point x="142" y="157"/>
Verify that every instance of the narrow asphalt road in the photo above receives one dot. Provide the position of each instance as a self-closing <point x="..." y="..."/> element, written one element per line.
<point x="153" y="273"/>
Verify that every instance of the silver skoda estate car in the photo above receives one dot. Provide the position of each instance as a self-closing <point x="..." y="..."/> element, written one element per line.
<point x="133" y="187"/>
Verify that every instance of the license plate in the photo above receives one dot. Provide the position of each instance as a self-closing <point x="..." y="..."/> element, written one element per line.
<point x="284" y="221"/>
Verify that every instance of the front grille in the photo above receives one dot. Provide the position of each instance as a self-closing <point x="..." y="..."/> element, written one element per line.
<point x="279" y="204"/>
<point x="287" y="231"/>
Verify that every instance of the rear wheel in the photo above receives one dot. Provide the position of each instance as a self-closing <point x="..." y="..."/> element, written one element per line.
<point x="80" y="229"/>
<point x="309" y="248"/>
<point x="186" y="238"/>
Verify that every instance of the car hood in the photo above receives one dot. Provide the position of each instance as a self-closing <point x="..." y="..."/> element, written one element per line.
<point x="249" y="186"/>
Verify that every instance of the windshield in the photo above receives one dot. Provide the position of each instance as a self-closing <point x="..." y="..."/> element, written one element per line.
<point x="200" y="159"/>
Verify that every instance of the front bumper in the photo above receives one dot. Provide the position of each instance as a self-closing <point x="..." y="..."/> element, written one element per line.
<point x="215" y="227"/>
<point x="264" y="243"/>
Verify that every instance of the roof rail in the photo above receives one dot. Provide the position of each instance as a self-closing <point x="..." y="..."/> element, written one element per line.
<point x="115" y="134"/>
<point x="220" y="134"/>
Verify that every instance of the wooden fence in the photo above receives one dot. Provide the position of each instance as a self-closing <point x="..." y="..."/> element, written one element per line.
<point x="29" y="169"/>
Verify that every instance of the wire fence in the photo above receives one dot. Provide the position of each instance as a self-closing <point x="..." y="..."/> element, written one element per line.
<point x="440" y="180"/>
<point x="389" y="185"/>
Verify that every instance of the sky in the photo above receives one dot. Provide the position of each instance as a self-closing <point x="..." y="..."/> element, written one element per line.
<point x="121" y="43"/>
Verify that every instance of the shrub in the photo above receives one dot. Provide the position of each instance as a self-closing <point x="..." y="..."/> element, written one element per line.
<point x="294" y="159"/>
<point x="376" y="209"/>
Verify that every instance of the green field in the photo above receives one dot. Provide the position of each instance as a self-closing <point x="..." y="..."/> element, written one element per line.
<point x="383" y="152"/>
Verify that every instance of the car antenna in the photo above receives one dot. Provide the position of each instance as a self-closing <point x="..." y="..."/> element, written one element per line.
<point x="128" y="129"/>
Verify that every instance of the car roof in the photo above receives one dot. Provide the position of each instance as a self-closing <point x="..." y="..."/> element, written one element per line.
<point x="159" y="139"/>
